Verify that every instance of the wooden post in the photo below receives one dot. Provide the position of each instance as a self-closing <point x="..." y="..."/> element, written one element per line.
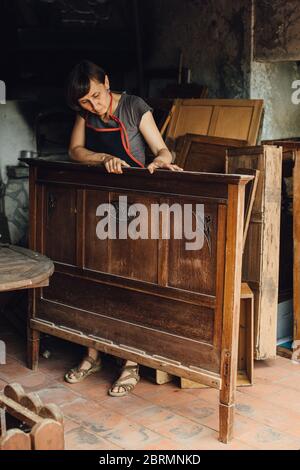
<point x="231" y="310"/>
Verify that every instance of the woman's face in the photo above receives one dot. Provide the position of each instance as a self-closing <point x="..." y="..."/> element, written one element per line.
<point x="97" y="99"/>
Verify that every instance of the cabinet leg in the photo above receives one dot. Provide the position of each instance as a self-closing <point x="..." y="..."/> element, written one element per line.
<point x="33" y="348"/>
<point x="226" y="418"/>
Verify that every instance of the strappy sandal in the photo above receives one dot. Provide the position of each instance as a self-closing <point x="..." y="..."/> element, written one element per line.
<point x="78" y="374"/>
<point x="127" y="387"/>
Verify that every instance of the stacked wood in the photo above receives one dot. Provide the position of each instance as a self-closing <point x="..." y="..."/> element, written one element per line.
<point x="44" y="421"/>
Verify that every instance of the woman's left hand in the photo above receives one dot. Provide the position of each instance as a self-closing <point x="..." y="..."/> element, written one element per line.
<point x="167" y="166"/>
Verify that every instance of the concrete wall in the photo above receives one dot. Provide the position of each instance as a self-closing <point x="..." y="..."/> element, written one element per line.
<point x="273" y="83"/>
<point x="213" y="35"/>
<point x="277" y="30"/>
<point x="16" y="132"/>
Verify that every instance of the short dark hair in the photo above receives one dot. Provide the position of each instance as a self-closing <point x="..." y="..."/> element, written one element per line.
<point x="78" y="84"/>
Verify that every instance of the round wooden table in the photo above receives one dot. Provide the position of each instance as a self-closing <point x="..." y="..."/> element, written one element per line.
<point x="21" y="268"/>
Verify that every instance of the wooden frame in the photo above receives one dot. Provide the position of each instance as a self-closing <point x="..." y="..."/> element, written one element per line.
<point x="233" y="119"/>
<point x="204" y="153"/>
<point x="209" y="154"/>
<point x="291" y="153"/>
<point x="261" y="253"/>
<point x="184" y="325"/>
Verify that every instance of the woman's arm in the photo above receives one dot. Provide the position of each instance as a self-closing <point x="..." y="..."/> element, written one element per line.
<point x="79" y="153"/>
<point x="151" y="134"/>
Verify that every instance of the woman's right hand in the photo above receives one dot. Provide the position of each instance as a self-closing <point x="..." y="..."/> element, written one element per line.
<point x="114" y="164"/>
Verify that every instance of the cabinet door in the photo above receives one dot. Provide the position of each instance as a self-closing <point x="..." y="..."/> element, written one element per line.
<point x="60" y="224"/>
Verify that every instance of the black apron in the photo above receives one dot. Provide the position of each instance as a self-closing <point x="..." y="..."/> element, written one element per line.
<point x="111" y="140"/>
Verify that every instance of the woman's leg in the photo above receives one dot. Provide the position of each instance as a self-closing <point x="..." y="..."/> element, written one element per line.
<point x="91" y="358"/>
<point x="129" y="377"/>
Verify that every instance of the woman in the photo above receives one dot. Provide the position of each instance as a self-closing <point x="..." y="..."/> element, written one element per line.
<point x="111" y="128"/>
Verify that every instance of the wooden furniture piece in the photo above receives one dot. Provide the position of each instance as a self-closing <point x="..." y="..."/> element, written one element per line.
<point x="291" y="169"/>
<point x="261" y="254"/>
<point x="204" y="153"/>
<point x="44" y="422"/>
<point x="231" y="119"/>
<point x="21" y="268"/>
<point x="148" y="300"/>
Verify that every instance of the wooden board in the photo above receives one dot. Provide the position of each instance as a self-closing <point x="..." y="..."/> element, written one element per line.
<point x="261" y="254"/>
<point x="291" y="154"/>
<point x="232" y="119"/>
<point x="148" y="300"/>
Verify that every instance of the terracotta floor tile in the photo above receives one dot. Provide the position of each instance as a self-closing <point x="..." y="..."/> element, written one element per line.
<point x="103" y="421"/>
<point x="171" y="398"/>
<point x="181" y="430"/>
<point x="80" y="439"/>
<point x="210" y="395"/>
<point x="126" y="405"/>
<point x="198" y="410"/>
<point x="265" y="437"/>
<point x="57" y="394"/>
<point x="129" y="435"/>
<point x="165" y="444"/>
<point x="34" y="381"/>
<point x="149" y="417"/>
<point x="79" y="408"/>
<point x="12" y="370"/>
<point x="287" y="398"/>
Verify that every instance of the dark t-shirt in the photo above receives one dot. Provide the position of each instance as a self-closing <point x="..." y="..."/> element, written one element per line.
<point x="130" y="111"/>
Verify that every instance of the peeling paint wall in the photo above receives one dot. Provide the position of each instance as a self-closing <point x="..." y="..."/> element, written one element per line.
<point x="213" y="35"/>
<point x="277" y="30"/>
<point x="273" y="83"/>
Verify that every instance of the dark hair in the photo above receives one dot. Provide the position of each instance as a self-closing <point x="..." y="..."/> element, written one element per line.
<point x="78" y="84"/>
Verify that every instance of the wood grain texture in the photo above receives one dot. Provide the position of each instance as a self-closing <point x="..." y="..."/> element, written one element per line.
<point x="149" y="300"/>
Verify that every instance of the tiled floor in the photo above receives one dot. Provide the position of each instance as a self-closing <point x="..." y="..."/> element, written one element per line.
<point x="158" y="416"/>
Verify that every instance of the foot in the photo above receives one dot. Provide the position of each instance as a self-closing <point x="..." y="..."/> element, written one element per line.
<point x="127" y="380"/>
<point x="88" y="366"/>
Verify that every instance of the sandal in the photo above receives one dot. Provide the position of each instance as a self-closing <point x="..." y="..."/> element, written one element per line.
<point x="78" y="374"/>
<point x="133" y="373"/>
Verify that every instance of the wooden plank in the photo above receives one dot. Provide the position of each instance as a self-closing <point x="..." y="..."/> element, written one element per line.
<point x="261" y="253"/>
<point x="231" y="311"/>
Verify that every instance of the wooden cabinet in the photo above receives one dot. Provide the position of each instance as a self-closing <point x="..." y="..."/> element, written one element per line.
<point x="147" y="299"/>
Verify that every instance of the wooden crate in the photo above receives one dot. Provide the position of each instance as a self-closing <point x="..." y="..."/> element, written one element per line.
<point x="261" y="255"/>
